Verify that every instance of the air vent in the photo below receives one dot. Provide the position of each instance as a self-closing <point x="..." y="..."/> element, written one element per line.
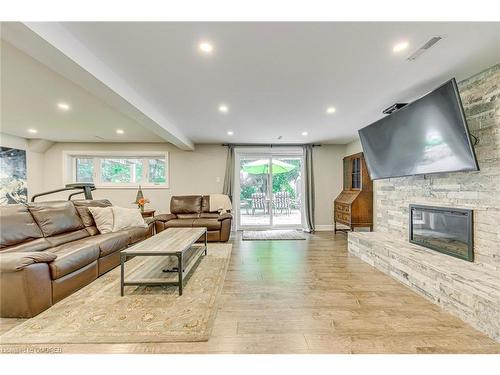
<point x="393" y="108"/>
<point x="431" y="42"/>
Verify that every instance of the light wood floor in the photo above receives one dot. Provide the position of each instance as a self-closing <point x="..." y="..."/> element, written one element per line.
<point x="312" y="297"/>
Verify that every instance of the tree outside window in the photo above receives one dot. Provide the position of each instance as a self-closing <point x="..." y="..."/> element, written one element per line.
<point x="121" y="171"/>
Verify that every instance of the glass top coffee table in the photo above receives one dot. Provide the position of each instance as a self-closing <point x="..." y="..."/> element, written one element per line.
<point x="172" y="242"/>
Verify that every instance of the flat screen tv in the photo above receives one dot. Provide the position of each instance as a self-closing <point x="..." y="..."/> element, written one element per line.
<point x="429" y="135"/>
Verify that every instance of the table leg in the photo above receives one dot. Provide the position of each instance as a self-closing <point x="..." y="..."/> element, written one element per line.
<point x="206" y="241"/>
<point x="180" y="266"/>
<point x="122" y="277"/>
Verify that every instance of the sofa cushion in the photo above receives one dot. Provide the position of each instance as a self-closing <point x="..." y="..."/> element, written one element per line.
<point x="111" y="242"/>
<point x="209" y="215"/>
<point x="188" y="216"/>
<point x="17" y="225"/>
<point x="185" y="204"/>
<point x="63" y="238"/>
<point x="136" y="234"/>
<point x="179" y="223"/>
<point x="210" y="224"/>
<point x="39" y="244"/>
<point x="205" y="203"/>
<point x="82" y="206"/>
<point x="73" y="256"/>
<point x="66" y="285"/>
<point x="165" y="217"/>
<point x="92" y="230"/>
<point x="124" y="218"/>
<point x="56" y="217"/>
<point x="103" y="217"/>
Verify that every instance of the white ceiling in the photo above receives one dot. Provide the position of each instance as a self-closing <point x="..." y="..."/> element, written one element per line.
<point x="279" y="78"/>
<point x="31" y="92"/>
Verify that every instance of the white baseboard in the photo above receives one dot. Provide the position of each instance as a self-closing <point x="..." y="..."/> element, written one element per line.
<point x="319" y="228"/>
<point x="324" y="228"/>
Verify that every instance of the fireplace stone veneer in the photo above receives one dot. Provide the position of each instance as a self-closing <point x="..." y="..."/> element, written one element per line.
<point x="478" y="190"/>
<point x="468" y="290"/>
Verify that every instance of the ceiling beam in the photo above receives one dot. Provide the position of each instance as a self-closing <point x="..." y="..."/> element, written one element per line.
<point x="39" y="145"/>
<point x="53" y="45"/>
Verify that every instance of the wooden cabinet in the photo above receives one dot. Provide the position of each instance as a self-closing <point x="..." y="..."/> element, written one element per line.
<point x="354" y="205"/>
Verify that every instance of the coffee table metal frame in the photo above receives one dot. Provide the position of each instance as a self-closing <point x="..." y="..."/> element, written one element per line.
<point x="179" y="254"/>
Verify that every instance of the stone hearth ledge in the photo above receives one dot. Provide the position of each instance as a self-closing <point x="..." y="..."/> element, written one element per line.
<point x="467" y="290"/>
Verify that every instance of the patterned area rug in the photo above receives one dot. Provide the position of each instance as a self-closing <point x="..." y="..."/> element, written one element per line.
<point x="255" y="235"/>
<point x="97" y="313"/>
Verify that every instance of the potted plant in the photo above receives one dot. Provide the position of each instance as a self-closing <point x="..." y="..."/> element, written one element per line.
<point x="140" y="200"/>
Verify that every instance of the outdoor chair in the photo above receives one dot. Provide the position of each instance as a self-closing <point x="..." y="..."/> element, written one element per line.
<point x="282" y="202"/>
<point x="258" y="202"/>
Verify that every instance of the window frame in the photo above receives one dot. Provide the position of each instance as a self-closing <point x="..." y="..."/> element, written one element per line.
<point x="69" y="167"/>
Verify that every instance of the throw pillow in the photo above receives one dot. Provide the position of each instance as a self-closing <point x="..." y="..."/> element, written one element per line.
<point x="103" y="217"/>
<point x="127" y="218"/>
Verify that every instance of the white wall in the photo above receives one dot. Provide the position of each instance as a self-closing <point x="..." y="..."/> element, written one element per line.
<point x="197" y="172"/>
<point x="328" y="182"/>
<point x="34" y="162"/>
<point x="191" y="172"/>
<point x="353" y="148"/>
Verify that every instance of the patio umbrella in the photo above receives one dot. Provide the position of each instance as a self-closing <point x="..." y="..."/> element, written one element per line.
<point x="262" y="167"/>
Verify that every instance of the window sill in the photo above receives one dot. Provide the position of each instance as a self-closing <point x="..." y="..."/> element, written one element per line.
<point x="132" y="187"/>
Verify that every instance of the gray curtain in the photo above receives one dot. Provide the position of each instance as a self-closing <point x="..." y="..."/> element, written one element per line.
<point x="228" y="187"/>
<point x="309" y="187"/>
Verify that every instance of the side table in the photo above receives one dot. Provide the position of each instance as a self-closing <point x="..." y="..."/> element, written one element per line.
<point x="148" y="213"/>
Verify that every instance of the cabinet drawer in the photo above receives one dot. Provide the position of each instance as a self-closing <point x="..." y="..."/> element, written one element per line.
<point x="344" y="217"/>
<point x="342" y="207"/>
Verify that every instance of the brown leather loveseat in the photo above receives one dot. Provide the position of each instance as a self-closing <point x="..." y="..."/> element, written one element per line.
<point x="48" y="250"/>
<point x="194" y="211"/>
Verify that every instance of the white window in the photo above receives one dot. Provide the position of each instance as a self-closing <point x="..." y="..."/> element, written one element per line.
<point x="120" y="170"/>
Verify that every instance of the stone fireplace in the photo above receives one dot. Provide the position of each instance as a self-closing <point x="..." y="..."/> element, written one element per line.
<point x="447" y="230"/>
<point x="468" y="289"/>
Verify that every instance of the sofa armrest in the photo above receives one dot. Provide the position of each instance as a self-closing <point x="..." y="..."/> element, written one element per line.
<point x="14" y="262"/>
<point x="25" y="293"/>
<point x="225" y="216"/>
<point x="149" y="220"/>
<point x="165" y="217"/>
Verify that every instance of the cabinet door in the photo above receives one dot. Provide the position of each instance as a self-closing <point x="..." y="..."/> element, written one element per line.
<point x="347" y="174"/>
<point x="356" y="173"/>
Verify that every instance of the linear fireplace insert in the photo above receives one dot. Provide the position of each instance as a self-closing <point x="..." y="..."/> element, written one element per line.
<point x="447" y="230"/>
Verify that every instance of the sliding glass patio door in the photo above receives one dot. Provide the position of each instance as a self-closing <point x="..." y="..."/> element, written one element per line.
<point x="255" y="182"/>
<point x="269" y="190"/>
<point x="287" y="191"/>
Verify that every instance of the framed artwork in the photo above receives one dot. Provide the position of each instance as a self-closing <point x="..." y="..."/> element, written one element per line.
<point x="13" y="176"/>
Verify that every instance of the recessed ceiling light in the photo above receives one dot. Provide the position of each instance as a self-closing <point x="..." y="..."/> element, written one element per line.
<point x="206" y="47"/>
<point x="330" y="110"/>
<point x="223" y="108"/>
<point x="120" y="131"/>
<point x="230" y="132"/>
<point x="63" y="106"/>
<point x="305" y="133"/>
<point x="32" y="131"/>
<point x="400" y="47"/>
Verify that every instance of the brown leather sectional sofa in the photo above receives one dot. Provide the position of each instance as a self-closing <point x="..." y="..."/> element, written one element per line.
<point x="48" y="250"/>
<point x="194" y="211"/>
